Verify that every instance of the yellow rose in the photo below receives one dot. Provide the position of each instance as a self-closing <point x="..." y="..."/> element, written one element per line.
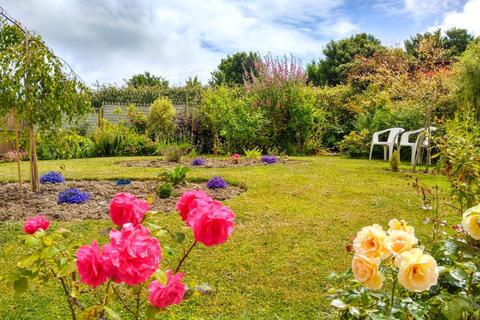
<point x="470" y="222"/>
<point x="365" y="270"/>
<point x="371" y="242"/>
<point x="399" y="241"/>
<point x="394" y="224"/>
<point x="417" y="271"/>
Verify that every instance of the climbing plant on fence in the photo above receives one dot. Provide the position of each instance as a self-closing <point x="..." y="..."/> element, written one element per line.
<point x="39" y="88"/>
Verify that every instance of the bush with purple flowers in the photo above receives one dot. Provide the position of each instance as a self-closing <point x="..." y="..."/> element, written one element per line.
<point x="52" y="177"/>
<point x="216" y="183"/>
<point x="198" y="162"/>
<point x="269" y="159"/>
<point x="72" y="195"/>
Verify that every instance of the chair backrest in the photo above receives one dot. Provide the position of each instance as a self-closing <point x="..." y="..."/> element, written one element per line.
<point x="394" y="134"/>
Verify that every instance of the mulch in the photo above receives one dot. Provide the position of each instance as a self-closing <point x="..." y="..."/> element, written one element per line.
<point x="209" y="163"/>
<point x="15" y="205"/>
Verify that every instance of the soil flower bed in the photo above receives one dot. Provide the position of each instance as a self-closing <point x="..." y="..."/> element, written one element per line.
<point x="17" y="206"/>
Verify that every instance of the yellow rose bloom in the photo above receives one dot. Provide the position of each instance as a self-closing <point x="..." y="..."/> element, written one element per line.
<point x="470" y="222"/>
<point x="399" y="241"/>
<point x="417" y="271"/>
<point x="371" y="242"/>
<point x="394" y="224"/>
<point x="365" y="270"/>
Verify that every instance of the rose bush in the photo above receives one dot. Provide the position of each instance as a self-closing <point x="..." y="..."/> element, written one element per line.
<point x="124" y="272"/>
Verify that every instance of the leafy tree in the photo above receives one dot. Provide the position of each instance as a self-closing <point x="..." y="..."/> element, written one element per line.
<point x="231" y="69"/>
<point x="193" y="82"/>
<point x="146" y="79"/>
<point x="160" y="117"/>
<point x="455" y="41"/>
<point x="339" y="55"/>
<point x="37" y="87"/>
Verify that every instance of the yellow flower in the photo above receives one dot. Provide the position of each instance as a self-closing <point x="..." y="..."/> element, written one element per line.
<point x="365" y="270"/>
<point x="399" y="241"/>
<point x="417" y="271"/>
<point x="371" y="242"/>
<point x="470" y="222"/>
<point x="394" y="224"/>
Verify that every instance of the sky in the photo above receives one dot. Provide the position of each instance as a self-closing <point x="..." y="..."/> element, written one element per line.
<point x="110" y="40"/>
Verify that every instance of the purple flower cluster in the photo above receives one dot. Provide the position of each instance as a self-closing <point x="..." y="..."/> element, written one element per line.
<point x="216" y="183"/>
<point x="269" y="159"/>
<point x="72" y="195"/>
<point x="198" y="162"/>
<point x="52" y="177"/>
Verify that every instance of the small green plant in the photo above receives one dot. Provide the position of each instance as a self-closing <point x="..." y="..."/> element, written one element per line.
<point x="254" y="153"/>
<point x="164" y="190"/>
<point x="356" y="144"/>
<point x="172" y="153"/>
<point x="395" y="161"/>
<point x="176" y="176"/>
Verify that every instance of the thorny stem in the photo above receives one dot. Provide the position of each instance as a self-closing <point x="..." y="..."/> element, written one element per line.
<point x="393" y="294"/>
<point x="67" y="294"/>
<point x="185" y="256"/>
<point x="137" y="308"/>
<point x="121" y="300"/>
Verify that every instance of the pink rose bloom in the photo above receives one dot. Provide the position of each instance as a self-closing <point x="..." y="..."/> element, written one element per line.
<point x="213" y="224"/>
<point x="91" y="265"/>
<point x="162" y="296"/>
<point x="34" y="224"/>
<point x="132" y="255"/>
<point x="199" y="207"/>
<point x="236" y="156"/>
<point x="184" y="205"/>
<point x="126" y="208"/>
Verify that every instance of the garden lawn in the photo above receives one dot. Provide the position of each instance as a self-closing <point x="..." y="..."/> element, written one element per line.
<point x="292" y="226"/>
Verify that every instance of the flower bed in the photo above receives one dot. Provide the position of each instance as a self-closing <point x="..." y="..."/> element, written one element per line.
<point x="18" y="206"/>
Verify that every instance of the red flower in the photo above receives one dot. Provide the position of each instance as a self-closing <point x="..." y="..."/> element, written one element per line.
<point x="162" y="296"/>
<point x="34" y="224"/>
<point x="91" y="265"/>
<point x="126" y="208"/>
<point x="186" y="202"/>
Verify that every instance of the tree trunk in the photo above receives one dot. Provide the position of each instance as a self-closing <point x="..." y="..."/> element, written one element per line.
<point x="17" y="148"/>
<point x="34" y="178"/>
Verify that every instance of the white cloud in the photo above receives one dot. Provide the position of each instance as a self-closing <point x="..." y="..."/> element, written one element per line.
<point x="468" y="18"/>
<point x="111" y="40"/>
<point x="428" y="7"/>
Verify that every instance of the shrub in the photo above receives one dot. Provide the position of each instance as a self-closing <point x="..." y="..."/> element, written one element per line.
<point x="198" y="162"/>
<point x="164" y="190"/>
<point x="172" y="153"/>
<point x="13" y="155"/>
<point x="269" y="159"/>
<point x="395" y="161"/>
<point x="356" y="144"/>
<point x="160" y="118"/>
<point x="137" y="119"/>
<point x="73" y="195"/>
<point x="254" y="153"/>
<point x="217" y="183"/>
<point x="64" y="144"/>
<point x="52" y="177"/>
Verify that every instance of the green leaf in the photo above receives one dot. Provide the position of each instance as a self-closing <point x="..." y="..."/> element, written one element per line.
<point x="32" y="242"/>
<point x="67" y="269"/>
<point x="339" y="304"/>
<point x="28" y="261"/>
<point x="178" y="237"/>
<point x="49" y="252"/>
<point x="20" y="285"/>
<point x="111" y="313"/>
<point x="151" y="312"/>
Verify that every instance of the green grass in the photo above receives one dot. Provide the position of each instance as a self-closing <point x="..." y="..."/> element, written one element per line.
<point x="293" y="223"/>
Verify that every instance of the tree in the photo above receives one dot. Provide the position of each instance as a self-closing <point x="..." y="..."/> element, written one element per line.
<point x="339" y="55"/>
<point x="146" y="79"/>
<point x="37" y="87"/>
<point x="193" y="82"/>
<point x="455" y="41"/>
<point x="160" y="117"/>
<point x="231" y="70"/>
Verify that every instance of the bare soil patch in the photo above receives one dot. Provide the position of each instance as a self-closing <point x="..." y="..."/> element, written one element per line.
<point x="15" y="205"/>
<point x="209" y="163"/>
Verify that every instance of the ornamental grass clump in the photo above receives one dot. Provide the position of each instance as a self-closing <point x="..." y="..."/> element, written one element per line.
<point x="72" y="196"/>
<point x="269" y="159"/>
<point x="198" y="162"/>
<point x="52" y="177"/>
<point x="217" y="183"/>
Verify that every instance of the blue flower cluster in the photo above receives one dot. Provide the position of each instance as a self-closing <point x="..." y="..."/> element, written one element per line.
<point x="269" y="159"/>
<point x="72" y="195"/>
<point x="216" y="183"/>
<point x="122" y="182"/>
<point x="52" y="177"/>
<point x="198" y="162"/>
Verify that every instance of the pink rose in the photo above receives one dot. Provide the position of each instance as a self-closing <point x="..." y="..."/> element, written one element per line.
<point x="91" y="265"/>
<point x="213" y="224"/>
<point x="199" y="207"/>
<point x="126" y="208"/>
<point x="162" y="296"/>
<point x="34" y="224"/>
<point x="132" y="255"/>
<point x="184" y="205"/>
<point x="236" y="156"/>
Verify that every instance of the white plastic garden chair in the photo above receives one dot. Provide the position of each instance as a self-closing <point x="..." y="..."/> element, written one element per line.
<point x="389" y="144"/>
<point x="422" y="141"/>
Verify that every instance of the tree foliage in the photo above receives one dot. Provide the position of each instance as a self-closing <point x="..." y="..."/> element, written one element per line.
<point x="160" y="117"/>
<point x="339" y="55"/>
<point x="146" y="79"/>
<point x="231" y="69"/>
